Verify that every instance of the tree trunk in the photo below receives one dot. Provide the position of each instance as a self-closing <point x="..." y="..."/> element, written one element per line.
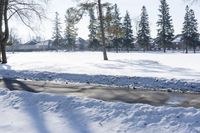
<point x="194" y="49"/>
<point x="0" y="55"/>
<point x="186" y="50"/>
<point x="117" y="50"/>
<point x="127" y="49"/>
<point x="4" y="35"/>
<point x="186" y="46"/>
<point x="164" y="49"/>
<point x="102" y="31"/>
<point x="1" y="25"/>
<point x="3" y="52"/>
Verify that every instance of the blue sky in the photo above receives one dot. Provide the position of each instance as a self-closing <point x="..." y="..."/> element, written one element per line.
<point x="44" y="29"/>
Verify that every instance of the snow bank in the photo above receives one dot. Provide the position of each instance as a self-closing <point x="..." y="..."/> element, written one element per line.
<point x="141" y="70"/>
<point x="44" y="113"/>
<point x="123" y="81"/>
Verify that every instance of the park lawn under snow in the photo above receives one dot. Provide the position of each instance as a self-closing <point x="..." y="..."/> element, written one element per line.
<point x="170" y="65"/>
<point x="148" y="70"/>
<point x="24" y="112"/>
<point x="27" y="112"/>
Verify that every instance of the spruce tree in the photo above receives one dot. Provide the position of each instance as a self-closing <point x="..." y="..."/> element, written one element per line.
<point x="108" y="27"/>
<point x="194" y="31"/>
<point x="190" y="32"/>
<point x="128" y="32"/>
<point x="165" y="31"/>
<point x="93" y="29"/>
<point x="70" y="30"/>
<point x="143" y="35"/>
<point x="117" y="29"/>
<point x="57" y="32"/>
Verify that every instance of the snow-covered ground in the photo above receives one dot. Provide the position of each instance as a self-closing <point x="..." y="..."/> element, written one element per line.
<point x="24" y="112"/>
<point x="148" y="70"/>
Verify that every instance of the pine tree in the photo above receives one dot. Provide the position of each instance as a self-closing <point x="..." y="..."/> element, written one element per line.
<point x="194" y="31"/>
<point x="57" y="32"/>
<point x="108" y="27"/>
<point x="93" y="29"/>
<point x="165" y="31"/>
<point x="190" y="32"/>
<point x="117" y="29"/>
<point x="128" y="32"/>
<point x="70" y="30"/>
<point x="143" y="35"/>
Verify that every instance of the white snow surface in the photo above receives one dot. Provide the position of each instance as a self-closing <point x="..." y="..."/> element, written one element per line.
<point x="177" y="71"/>
<point x="24" y="112"/>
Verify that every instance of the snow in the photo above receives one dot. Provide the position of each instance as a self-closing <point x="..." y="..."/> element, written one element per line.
<point x="26" y="112"/>
<point x="141" y="70"/>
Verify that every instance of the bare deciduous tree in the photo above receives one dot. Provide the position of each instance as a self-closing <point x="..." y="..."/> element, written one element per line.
<point x="25" y="10"/>
<point x="4" y="30"/>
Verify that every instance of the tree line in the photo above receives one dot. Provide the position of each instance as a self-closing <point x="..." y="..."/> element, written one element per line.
<point x="107" y="30"/>
<point x="118" y="30"/>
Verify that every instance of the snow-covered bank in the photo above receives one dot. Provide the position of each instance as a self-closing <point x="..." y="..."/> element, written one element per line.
<point x="122" y="81"/>
<point x="44" y="113"/>
<point x="147" y="70"/>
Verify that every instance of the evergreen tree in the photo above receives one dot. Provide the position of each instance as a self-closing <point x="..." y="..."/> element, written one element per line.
<point x="194" y="31"/>
<point x="128" y="32"/>
<point x="93" y="28"/>
<point x="117" y="29"/>
<point x="57" y="32"/>
<point x="165" y="31"/>
<point x="190" y="33"/>
<point x="186" y="32"/>
<point x="143" y="35"/>
<point x="108" y="27"/>
<point x="70" y="30"/>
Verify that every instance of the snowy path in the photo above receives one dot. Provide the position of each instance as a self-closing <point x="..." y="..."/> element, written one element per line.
<point x="106" y="93"/>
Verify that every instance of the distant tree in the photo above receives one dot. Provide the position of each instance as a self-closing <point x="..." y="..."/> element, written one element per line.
<point x="165" y="31"/>
<point x="70" y="29"/>
<point x="190" y="33"/>
<point x="117" y="29"/>
<point x="93" y="29"/>
<point x="194" y="31"/>
<point x="128" y="32"/>
<point x="143" y="35"/>
<point x="186" y="32"/>
<point x="108" y="27"/>
<point x="57" y="32"/>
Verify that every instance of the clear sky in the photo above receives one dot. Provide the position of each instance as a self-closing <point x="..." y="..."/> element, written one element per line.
<point x="44" y="29"/>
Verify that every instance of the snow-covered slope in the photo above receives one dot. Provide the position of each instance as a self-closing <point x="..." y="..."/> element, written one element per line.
<point x="24" y="112"/>
<point x="147" y="70"/>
